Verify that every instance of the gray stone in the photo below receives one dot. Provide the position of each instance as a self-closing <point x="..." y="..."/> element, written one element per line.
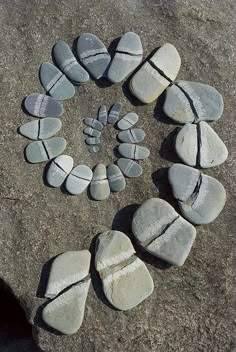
<point x="151" y="79"/>
<point x="129" y="167"/>
<point x="42" y="105"/>
<point x="186" y="144"/>
<point x="92" y="140"/>
<point x="115" y="178"/>
<point x="41" y="129"/>
<point x="55" y="82"/>
<point x="128" y="55"/>
<point x="66" y="312"/>
<point x="40" y="151"/>
<point x="162" y="231"/>
<point x="94" y="149"/>
<point x="99" y="187"/>
<point x="135" y="135"/>
<point x="102" y="114"/>
<point x="128" y="121"/>
<point x="92" y="132"/>
<point x="67" y="268"/>
<point x="79" y="179"/>
<point x="68" y="64"/>
<point x="114" y="113"/>
<point x="125" y="278"/>
<point x="59" y="169"/>
<point x="201" y="198"/>
<point x="93" y="54"/>
<point x="193" y="102"/>
<point x="93" y="123"/>
<point x="132" y="151"/>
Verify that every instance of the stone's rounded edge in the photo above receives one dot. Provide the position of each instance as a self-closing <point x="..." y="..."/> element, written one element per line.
<point x="30" y="102"/>
<point x="99" y="186"/>
<point x="127" y="121"/>
<point x="129" y="167"/>
<point x="187" y="155"/>
<point x="116" y="179"/>
<point x="75" y="184"/>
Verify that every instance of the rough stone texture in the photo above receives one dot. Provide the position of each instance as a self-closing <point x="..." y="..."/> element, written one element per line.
<point x="192" y="308"/>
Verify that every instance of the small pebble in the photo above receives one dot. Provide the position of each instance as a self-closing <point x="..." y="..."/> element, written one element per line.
<point x="93" y="123"/>
<point x="92" y="132"/>
<point x="92" y="140"/>
<point x="102" y="115"/>
<point x="135" y="135"/>
<point x="132" y="151"/>
<point x="128" y="121"/>
<point x="115" y="178"/>
<point x="41" y="129"/>
<point x="129" y="167"/>
<point x="59" y="169"/>
<point x="114" y="113"/>
<point x="93" y="149"/>
<point x="79" y="179"/>
<point x="42" y="105"/>
<point x="99" y="187"/>
<point x="40" y="151"/>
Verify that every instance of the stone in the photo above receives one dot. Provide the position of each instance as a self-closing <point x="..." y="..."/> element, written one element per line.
<point x="79" y="179"/>
<point x="128" y="55"/>
<point x="199" y="145"/>
<point x="68" y="64"/>
<point x="99" y="187"/>
<point x="132" y="151"/>
<point x="59" y="169"/>
<point x="66" y="312"/>
<point x="128" y="121"/>
<point x="134" y="135"/>
<point x="41" y="129"/>
<point x="201" y="198"/>
<point x="93" y="55"/>
<point x="156" y="74"/>
<point x="92" y="132"/>
<point x="94" y="149"/>
<point x="92" y="140"/>
<point x="102" y="114"/>
<point x="129" y="167"/>
<point x="55" y="82"/>
<point x="44" y="150"/>
<point x="114" y="113"/>
<point x="160" y="230"/>
<point x="42" y="105"/>
<point x="97" y="125"/>
<point x="125" y="278"/>
<point x="115" y="178"/>
<point x="193" y="102"/>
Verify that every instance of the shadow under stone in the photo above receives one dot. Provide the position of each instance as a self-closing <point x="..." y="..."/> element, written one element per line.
<point x="167" y="150"/>
<point x="44" y="277"/>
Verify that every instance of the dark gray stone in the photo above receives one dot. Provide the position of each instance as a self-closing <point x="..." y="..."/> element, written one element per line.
<point x="114" y="113"/>
<point x="115" y="178"/>
<point x="59" y="169"/>
<point x="92" y="140"/>
<point x="79" y="179"/>
<point x="102" y="114"/>
<point x="132" y="151"/>
<point x="128" y="121"/>
<point x="92" y="132"/>
<point x="42" y="105"/>
<point x="129" y="167"/>
<point x="135" y="135"/>
<point x="41" y="129"/>
<point x="40" y="151"/>
<point x="93" y="123"/>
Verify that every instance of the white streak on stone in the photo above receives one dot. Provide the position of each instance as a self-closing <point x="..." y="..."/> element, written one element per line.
<point x="114" y="260"/>
<point x="37" y="104"/>
<point x="58" y="83"/>
<point x="125" y="57"/>
<point x="53" y="81"/>
<point x="90" y="60"/>
<point x="92" y="52"/>
<point x="122" y="272"/>
<point x="60" y="285"/>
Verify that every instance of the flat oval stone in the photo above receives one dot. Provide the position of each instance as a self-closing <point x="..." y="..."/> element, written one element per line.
<point x="102" y="114"/>
<point x="44" y="150"/>
<point x="93" y="123"/>
<point x="193" y="102"/>
<point x="114" y="113"/>
<point x="55" y="82"/>
<point x="128" y="121"/>
<point x="99" y="187"/>
<point x="132" y="151"/>
<point x="59" y="169"/>
<point x="68" y="64"/>
<point x="161" y="231"/>
<point x="156" y="74"/>
<point x="115" y="178"/>
<point x="135" y="135"/>
<point x="128" y="55"/>
<point x="93" y="54"/>
<point x="79" y="179"/>
<point x="94" y="149"/>
<point x="129" y="167"/>
<point x="186" y="144"/>
<point x="201" y="198"/>
<point x="92" y="132"/>
<point x="92" y="140"/>
<point x="41" y="129"/>
<point x="42" y="105"/>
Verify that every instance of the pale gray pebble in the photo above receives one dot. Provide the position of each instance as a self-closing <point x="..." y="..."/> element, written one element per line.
<point x="67" y="269"/>
<point x="99" y="187"/>
<point x="129" y="167"/>
<point x="94" y="149"/>
<point x="55" y="82"/>
<point x="114" y="113"/>
<point x="161" y="231"/>
<point x="79" y="179"/>
<point x="92" y="132"/>
<point x="125" y="278"/>
<point x="93" y="55"/>
<point x="102" y="114"/>
<point x="68" y="64"/>
<point x="92" y="140"/>
<point x="128" y="121"/>
<point x="115" y="178"/>
<point x="44" y="150"/>
<point x="93" y="123"/>
<point x="132" y="151"/>
<point x="66" y="312"/>
<point x="41" y="129"/>
<point x="201" y="198"/>
<point x="42" y="105"/>
<point x="134" y="135"/>
<point x="128" y="55"/>
<point x="59" y="169"/>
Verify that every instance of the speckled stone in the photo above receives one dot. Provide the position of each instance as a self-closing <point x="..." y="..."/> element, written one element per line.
<point x="59" y="169"/>
<point x="97" y="125"/>
<point x="68" y="64"/>
<point x="92" y="140"/>
<point x="125" y="278"/>
<point x="79" y="179"/>
<point x="160" y="230"/>
<point x="129" y="167"/>
<point x="115" y="178"/>
<point x="93" y="54"/>
<point x="92" y="132"/>
<point x="114" y="113"/>
<point x="40" y="151"/>
<point x="99" y="187"/>
<point x="94" y="149"/>
<point x="134" y="135"/>
<point x="128" y="121"/>
<point x="102" y="114"/>
<point x="55" y="82"/>
<point x="128" y="55"/>
<point x="42" y="105"/>
<point x="132" y="151"/>
<point x="41" y="129"/>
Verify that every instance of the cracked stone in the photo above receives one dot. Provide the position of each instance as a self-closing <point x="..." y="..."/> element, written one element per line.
<point x="44" y="150"/>
<point x="41" y="129"/>
<point x="59" y="169"/>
